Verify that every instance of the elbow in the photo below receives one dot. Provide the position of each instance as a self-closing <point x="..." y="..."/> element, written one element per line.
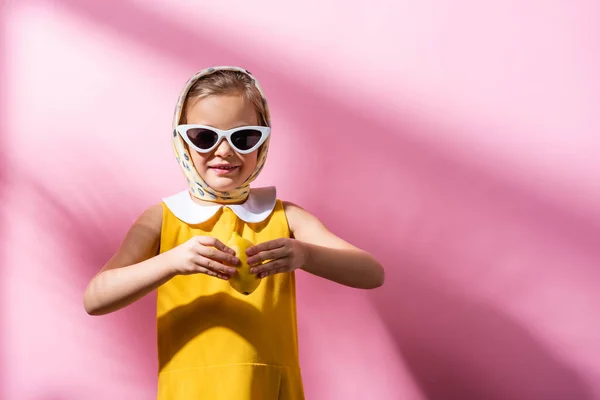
<point x="88" y="307"/>
<point x="93" y="310"/>
<point x="378" y="277"/>
<point x="89" y="304"/>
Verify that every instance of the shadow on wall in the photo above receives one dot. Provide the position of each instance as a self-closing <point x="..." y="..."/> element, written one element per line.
<point x="461" y="348"/>
<point x="440" y="227"/>
<point x="89" y="233"/>
<point x="3" y="210"/>
<point x="432" y="221"/>
<point x="383" y="156"/>
<point x="422" y="213"/>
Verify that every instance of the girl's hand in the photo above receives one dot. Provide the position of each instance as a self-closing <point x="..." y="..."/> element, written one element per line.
<point x="284" y="255"/>
<point x="203" y="255"/>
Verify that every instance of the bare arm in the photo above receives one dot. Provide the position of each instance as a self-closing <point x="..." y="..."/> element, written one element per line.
<point x="136" y="270"/>
<point x="329" y="256"/>
<point x="133" y="271"/>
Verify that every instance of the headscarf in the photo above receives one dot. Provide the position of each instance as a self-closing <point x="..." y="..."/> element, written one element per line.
<point x="197" y="187"/>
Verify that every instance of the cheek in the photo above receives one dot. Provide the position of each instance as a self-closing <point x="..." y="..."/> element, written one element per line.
<point x="250" y="161"/>
<point x="199" y="160"/>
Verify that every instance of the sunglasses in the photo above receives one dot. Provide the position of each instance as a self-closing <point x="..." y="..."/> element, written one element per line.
<point x="205" y="139"/>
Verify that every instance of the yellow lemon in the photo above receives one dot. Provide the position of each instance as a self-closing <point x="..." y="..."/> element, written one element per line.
<point x="243" y="281"/>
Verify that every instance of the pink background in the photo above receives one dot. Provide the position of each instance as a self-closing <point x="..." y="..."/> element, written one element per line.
<point x="456" y="140"/>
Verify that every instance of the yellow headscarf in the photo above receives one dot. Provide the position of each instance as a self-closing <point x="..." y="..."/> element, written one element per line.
<point x="199" y="188"/>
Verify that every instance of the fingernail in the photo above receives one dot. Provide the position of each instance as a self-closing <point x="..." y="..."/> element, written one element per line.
<point x="252" y="270"/>
<point x="235" y="260"/>
<point x="231" y="270"/>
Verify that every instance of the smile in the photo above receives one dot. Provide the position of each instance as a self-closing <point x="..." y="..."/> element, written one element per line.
<point x="223" y="169"/>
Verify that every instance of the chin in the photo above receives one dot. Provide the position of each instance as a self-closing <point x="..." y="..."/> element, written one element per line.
<point x="223" y="184"/>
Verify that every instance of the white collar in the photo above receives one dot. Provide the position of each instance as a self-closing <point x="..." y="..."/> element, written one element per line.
<point x="259" y="205"/>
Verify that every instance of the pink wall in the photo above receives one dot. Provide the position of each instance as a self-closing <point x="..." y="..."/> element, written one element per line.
<point x="457" y="141"/>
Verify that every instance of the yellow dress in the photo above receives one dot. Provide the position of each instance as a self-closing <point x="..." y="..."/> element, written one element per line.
<point x="215" y="343"/>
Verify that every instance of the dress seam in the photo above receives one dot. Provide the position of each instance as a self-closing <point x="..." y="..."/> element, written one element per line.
<point x="229" y="365"/>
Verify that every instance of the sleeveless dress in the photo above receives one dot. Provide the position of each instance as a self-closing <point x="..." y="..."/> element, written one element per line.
<point x="213" y="342"/>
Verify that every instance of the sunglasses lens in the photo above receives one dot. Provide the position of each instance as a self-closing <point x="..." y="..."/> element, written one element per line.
<point x="202" y="138"/>
<point x="246" y="139"/>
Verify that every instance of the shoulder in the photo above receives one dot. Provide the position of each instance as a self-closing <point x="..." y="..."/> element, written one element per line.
<point x="292" y="209"/>
<point x="142" y="240"/>
<point x="150" y="219"/>
<point x="148" y="226"/>
<point x="299" y="218"/>
<point x="308" y="228"/>
<point x="154" y="213"/>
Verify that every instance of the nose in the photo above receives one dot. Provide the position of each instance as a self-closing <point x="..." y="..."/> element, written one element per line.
<point x="224" y="150"/>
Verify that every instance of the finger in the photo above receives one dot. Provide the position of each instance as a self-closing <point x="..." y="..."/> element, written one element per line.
<point x="217" y="255"/>
<point x="214" y="266"/>
<point x="271" y="265"/>
<point x="203" y="270"/>
<point x="214" y="242"/>
<point x="281" y="252"/>
<point x="269" y="245"/>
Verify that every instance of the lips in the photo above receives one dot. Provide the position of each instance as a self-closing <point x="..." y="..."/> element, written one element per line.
<point x="223" y="169"/>
<point x="223" y="166"/>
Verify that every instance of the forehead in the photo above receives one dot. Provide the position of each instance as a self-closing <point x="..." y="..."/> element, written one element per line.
<point x="223" y="111"/>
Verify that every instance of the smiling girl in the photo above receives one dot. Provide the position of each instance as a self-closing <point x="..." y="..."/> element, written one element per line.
<point x="213" y="341"/>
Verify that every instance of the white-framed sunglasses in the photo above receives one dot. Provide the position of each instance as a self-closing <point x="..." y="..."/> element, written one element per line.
<point x="204" y="139"/>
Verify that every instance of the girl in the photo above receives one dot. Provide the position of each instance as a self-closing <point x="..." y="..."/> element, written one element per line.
<point x="213" y="341"/>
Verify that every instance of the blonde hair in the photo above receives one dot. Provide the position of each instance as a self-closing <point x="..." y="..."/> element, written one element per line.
<point x="227" y="82"/>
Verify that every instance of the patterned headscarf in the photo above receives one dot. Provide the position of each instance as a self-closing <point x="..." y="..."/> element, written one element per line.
<point x="199" y="188"/>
